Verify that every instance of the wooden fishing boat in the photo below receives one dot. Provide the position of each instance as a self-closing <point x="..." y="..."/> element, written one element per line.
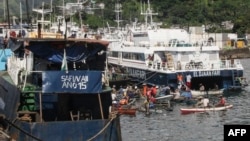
<point x="52" y="86"/>
<point x="196" y="93"/>
<point x="193" y="110"/>
<point x="127" y="111"/>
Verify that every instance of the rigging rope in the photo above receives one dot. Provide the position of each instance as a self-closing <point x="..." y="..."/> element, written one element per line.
<point x="147" y="78"/>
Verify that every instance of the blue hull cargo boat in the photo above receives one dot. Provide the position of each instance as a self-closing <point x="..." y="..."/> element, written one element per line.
<point x="154" y="55"/>
<point x="54" y="89"/>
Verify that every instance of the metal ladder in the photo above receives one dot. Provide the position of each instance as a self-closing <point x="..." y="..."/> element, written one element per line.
<point x="235" y="76"/>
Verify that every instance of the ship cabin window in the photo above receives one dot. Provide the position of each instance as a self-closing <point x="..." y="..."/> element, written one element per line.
<point x="1" y="31"/>
<point x="113" y="54"/>
<point x="133" y="56"/>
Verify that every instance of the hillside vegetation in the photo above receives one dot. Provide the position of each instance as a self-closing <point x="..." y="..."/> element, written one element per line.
<point x="181" y="13"/>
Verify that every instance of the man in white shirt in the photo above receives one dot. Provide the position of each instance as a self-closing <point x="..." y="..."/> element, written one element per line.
<point x="188" y="80"/>
<point x="204" y="102"/>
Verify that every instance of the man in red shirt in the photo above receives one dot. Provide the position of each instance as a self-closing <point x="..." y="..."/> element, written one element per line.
<point x="153" y="91"/>
<point x="222" y="101"/>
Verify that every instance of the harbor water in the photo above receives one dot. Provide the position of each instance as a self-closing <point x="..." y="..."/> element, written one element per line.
<point x="173" y="126"/>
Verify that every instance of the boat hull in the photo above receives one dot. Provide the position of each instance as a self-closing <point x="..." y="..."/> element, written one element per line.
<point x="222" y="77"/>
<point x="193" y="110"/>
<point x="69" y="130"/>
<point x="203" y="93"/>
<point x="127" y="111"/>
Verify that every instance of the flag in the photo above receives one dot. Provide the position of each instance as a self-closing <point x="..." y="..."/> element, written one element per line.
<point x="64" y="62"/>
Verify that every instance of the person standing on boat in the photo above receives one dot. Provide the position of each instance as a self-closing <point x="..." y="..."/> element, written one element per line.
<point x="120" y="93"/>
<point x="179" y="79"/>
<point x="188" y="80"/>
<point x="145" y="87"/>
<point x="113" y="73"/>
<point x="114" y="98"/>
<point x="153" y="91"/>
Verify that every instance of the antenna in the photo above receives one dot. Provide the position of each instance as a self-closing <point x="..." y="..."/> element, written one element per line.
<point x="118" y="10"/>
<point x="148" y="13"/>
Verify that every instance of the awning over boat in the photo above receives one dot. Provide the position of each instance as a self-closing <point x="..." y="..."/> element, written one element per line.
<point x="52" y="50"/>
<point x="72" y="82"/>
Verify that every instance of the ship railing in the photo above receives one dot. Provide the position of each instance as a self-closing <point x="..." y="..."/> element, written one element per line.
<point x="233" y="63"/>
<point x="224" y="64"/>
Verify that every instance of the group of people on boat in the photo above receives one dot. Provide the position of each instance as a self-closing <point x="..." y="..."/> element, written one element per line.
<point x="205" y="103"/>
<point x="123" y="95"/>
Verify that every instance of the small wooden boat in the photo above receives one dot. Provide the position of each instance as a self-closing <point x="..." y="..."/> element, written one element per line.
<point x="127" y="111"/>
<point x="193" y="110"/>
<point x="196" y="93"/>
<point x="151" y="110"/>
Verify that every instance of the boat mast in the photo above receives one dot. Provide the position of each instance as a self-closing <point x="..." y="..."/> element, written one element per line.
<point x="148" y="13"/>
<point x="8" y="13"/>
<point x="118" y="10"/>
<point x="4" y="9"/>
<point x="21" y="16"/>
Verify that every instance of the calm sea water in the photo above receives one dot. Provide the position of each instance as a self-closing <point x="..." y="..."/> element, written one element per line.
<point x="172" y="126"/>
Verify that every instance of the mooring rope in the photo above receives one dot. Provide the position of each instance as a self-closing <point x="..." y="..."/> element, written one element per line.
<point x="113" y="116"/>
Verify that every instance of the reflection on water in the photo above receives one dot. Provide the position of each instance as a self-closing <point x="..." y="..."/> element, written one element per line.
<point x="172" y="126"/>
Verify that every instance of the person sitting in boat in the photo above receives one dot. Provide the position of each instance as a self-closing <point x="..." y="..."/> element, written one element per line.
<point x="114" y="88"/>
<point x="120" y="93"/>
<point x="222" y="101"/>
<point x="114" y="97"/>
<point x="137" y="92"/>
<point x="203" y="102"/>
<point x="183" y="87"/>
<point x="124" y="100"/>
<point x="243" y="81"/>
<point x="130" y="93"/>
<point x="216" y="87"/>
<point x="202" y="87"/>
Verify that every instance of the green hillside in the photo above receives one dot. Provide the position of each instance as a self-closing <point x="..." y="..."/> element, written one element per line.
<point x="181" y="13"/>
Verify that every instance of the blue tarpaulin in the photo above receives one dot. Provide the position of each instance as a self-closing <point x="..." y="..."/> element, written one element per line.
<point x="81" y="130"/>
<point x="53" y="52"/>
<point x="72" y="82"/>
<point x="10" y="96"/>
